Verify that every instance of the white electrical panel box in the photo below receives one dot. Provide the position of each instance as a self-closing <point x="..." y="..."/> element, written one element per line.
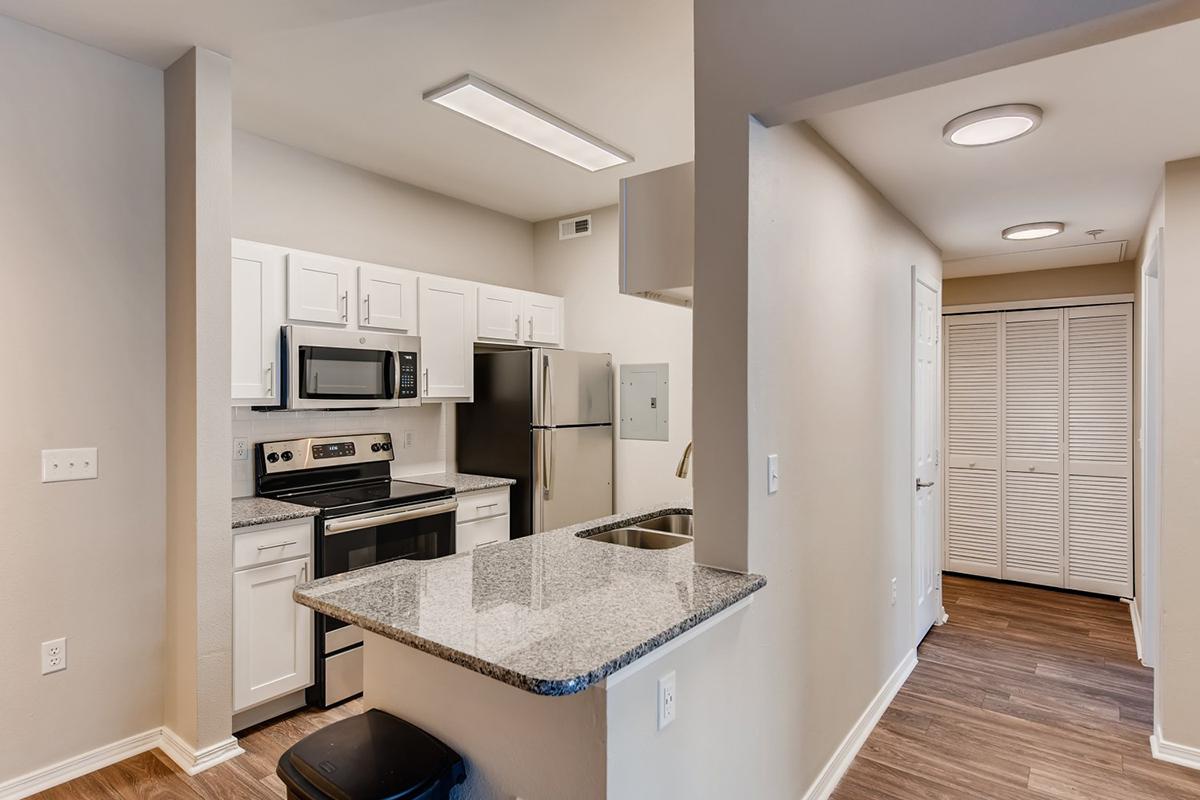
<point x="644" y="401"/>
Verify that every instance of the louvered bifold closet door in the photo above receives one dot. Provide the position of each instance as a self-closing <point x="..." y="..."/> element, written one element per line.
<point x="1099" y="413"/>
<point x="1032" y="488"/>
<point x="972" y="470"/>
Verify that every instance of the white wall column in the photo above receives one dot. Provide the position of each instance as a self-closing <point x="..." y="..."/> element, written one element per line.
<point x="199" y="131"/>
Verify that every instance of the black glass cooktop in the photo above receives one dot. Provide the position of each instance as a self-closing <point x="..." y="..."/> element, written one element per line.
<point x="365" y="497"/>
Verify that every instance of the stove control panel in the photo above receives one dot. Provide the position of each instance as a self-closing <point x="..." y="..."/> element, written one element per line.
<point x="293" y="455"/>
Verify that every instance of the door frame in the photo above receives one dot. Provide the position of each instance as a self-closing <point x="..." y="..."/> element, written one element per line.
<point x="935" y="286"/>
<point x="1150" y="425"/>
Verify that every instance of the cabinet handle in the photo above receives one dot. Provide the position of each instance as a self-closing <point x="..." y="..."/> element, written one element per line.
<point x="367" y="301"/>
<point x="481" y="545"/>
<point x="304" y="572"/>
<point x="273" y="546"/>
<point x="530" y="336"/>
<point x="482" y="506"/>
<point x="517" y="326"/>
<point x="346" y="306"/>
<point x="271" y="379"/>
<point x="427" y="381"/>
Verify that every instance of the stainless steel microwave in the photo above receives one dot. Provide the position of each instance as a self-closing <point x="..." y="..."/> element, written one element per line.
<point x="334" y="369"/>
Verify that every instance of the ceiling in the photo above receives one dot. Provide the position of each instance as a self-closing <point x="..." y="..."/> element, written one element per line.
<point x="1114" y="114"/>
<point x="344" y="78"/>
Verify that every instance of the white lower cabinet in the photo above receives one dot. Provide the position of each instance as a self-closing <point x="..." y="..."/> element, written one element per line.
<point x="272" y="633"/>
<point x="482" y="519"/>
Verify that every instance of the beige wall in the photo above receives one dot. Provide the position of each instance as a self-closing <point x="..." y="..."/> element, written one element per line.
<point x="635" y="331"/>
<point x="1179" y="654"/>
<point x="81" y="204"/>
<point x="290" y="197"/>
<point x="199" y="568"/>
<point x="1042" y="284"/>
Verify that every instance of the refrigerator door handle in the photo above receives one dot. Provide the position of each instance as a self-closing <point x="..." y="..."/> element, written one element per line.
<point x="547" y="456"/>
<point x="550" y="394"/>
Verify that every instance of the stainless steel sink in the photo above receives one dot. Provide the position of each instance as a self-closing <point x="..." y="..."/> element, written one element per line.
<point x="640" y="539"/>
<point x="669" y="523"/>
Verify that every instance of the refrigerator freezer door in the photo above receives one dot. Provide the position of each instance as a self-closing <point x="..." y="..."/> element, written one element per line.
<point x="572" y="388"/>
<point x="572" y="476"/>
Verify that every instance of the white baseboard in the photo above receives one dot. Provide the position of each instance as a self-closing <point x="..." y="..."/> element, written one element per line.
<point x="837" y="765"/>
<point x="196" y="761"/>
<point x="189" y="760"/>
<point x="42" y="779"/>
<point x="1135" y="618"/>
<point x="1173" y="753"/>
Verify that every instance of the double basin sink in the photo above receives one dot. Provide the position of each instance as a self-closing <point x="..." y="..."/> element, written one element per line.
<point x="656" y="533"/>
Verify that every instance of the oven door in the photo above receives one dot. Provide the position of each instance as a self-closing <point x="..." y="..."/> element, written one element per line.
<point x="327" y="369"/>
<point x="417" y="532"/>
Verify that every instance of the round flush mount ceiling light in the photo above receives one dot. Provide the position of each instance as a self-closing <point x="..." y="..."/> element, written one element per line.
<point x="992" y="125"/>
<point x="1032" y="230"/>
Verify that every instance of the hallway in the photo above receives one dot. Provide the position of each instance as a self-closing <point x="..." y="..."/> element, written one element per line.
<point x="1024" y="693"/>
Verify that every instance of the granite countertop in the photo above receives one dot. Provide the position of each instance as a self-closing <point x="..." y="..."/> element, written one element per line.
<point x="460" y="482"/>
<point x="551" y="614"/>
<point x="249" y="511"/>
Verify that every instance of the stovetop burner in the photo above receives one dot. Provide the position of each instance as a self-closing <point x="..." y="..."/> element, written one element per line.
<point x="353" y="499"/>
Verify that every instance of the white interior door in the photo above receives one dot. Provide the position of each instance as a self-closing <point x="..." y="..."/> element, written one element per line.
<point x="1032" y="533"/>
<point x="926" y="558"/>
<point x="1099" y="409"/>
<point x="972" y="464"/>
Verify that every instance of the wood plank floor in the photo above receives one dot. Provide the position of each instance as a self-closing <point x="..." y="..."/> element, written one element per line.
<point x="154" y="776"/>
<point x="1024" y="693"/>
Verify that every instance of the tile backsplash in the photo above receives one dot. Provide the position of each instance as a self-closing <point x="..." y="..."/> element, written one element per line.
<point x="432" y="427"/>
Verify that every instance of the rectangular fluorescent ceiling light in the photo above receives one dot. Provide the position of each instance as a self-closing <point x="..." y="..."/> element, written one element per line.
<point x="481" y="101"/>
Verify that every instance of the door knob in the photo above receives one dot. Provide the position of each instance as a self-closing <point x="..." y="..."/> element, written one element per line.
<point x="923" y="484"/>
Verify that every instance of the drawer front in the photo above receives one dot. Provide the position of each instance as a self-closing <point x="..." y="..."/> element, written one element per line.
<point x="267" y="544"/>
<point x="484" y="504"/>
<point x="481" y="533"/>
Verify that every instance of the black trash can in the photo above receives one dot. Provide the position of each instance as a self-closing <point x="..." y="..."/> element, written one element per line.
<point x="371" y="756"/>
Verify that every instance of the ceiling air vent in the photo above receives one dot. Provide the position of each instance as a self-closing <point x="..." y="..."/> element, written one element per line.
<point x="575" y="227"/>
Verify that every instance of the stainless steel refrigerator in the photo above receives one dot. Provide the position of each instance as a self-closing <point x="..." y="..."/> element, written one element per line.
<point x="545" y="419"/>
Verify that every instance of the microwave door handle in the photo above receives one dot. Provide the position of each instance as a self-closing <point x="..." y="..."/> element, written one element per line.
<point x="394" y="365"/>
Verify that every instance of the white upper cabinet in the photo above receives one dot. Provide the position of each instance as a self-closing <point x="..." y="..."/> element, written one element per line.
<point x="257" y="314"/>
<point x="499" y="314"/>
<point x="448" y="320"/>
<point x="319" y="288"/>
<point x="387" y="298"/>
<point x="543" y="325"/>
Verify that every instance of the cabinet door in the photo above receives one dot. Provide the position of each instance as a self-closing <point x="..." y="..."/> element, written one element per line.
<point x="272" y="634"/>
<point x="387" y="298"/>
<point x="543" y="320"/>
<point x="447" y="317"/>
<point x="499" y="314"/>
<point x="257" y="314"/>
<point x="318" y="289"/>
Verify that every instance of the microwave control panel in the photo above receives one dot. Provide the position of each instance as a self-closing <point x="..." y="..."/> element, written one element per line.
<point x="407" y="364"/>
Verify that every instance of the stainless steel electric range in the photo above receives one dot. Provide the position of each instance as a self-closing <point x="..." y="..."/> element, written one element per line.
<point x="366" y="518"/>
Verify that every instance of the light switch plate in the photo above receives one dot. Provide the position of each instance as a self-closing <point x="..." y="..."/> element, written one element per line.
<point x="75" y="464"/>
<point x="772" y="473"/>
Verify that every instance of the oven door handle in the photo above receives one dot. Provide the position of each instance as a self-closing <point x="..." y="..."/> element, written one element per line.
<point x="358" y="523"/>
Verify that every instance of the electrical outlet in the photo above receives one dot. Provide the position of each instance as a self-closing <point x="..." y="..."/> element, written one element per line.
<point x="54" y="656"/>
<point x="76" y="464"/>
<point x="241" y="448"/>
<point x="410" y="439"/>
<point x="666" y="700"/>
<point x="893" y="591"/>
